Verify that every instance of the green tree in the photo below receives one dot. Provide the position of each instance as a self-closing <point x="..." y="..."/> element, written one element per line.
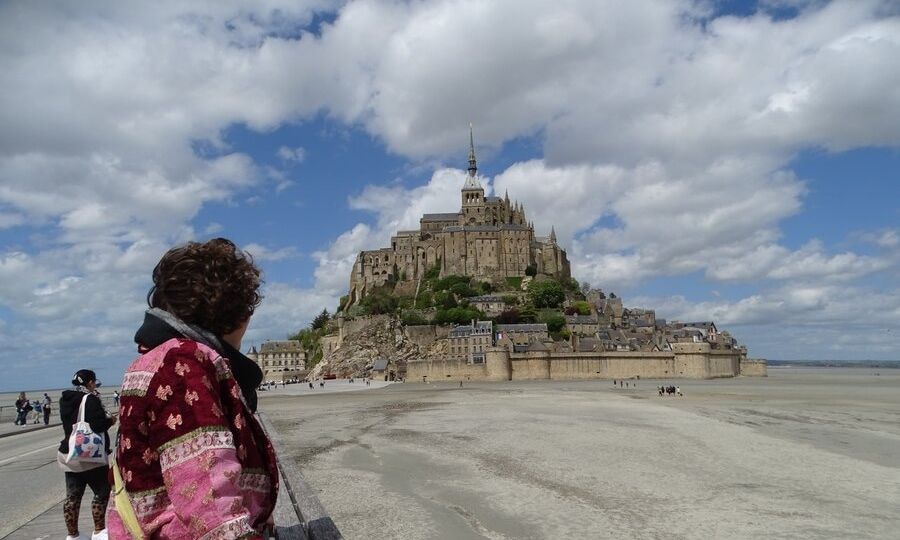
<point x="582" y="307"/>
<point x="424" y="300"/>
<point x="380" y="301"/>
<point x="546" y="293"/>
<point x="320" y="320"/>
<point x="444" y="300"/>
<point x="412" y="318"/>
<point x="509" y="316"/>
<point x="527" y="314"/>
<point x="463" y="290"/>
<point x="457" y="315"/>
<point x="555" y="322"/>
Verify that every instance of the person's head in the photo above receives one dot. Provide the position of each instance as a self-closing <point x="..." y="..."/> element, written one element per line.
<point x="21" y="395"/>
<point x="86" y="378"/>
<point x="212" y="284"/>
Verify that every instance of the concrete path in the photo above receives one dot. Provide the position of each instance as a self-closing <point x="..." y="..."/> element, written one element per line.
<point x="8" y="429"/>
<point x="50" y="524"/>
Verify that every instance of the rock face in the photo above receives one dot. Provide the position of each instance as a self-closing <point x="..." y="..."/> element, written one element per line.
<point x="371" y="338"/>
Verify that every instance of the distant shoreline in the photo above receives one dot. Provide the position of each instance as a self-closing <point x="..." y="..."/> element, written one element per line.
<point x="880" y="364"/>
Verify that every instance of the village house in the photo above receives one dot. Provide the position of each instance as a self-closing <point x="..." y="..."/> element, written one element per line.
<point x="469" y="342"/>
<point x="280" y="360"/>
<point x="582" y="325"/>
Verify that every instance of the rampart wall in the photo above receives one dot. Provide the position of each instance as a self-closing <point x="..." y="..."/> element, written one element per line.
<point x="688" y="361"/>
<point x="754" y="367"/>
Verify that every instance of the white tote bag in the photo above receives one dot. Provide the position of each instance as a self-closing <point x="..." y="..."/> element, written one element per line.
<point x="85" y="446"/>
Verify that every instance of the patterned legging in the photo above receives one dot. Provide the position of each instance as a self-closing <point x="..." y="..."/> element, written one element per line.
<point x="75" y="485"/>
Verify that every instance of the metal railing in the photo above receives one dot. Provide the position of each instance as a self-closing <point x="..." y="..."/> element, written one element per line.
<point x="298" y="512"/>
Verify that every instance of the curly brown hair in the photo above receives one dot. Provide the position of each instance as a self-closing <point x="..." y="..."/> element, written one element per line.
<point x="213" y="284"/>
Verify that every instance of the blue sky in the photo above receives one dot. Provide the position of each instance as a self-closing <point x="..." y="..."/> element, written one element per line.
<point x="735" y="161"/>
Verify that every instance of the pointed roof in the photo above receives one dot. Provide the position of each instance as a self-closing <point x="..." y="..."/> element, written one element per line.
<point x="472" y="180"/>
<point x="553" y="233"/>
<point x="473" y="167"/>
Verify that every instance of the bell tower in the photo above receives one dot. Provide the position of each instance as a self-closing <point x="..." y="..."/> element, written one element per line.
<point x="472" y="191"/>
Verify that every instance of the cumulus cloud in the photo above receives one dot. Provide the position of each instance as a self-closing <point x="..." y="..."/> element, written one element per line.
<point x="296" y="155"/>
<point x="666" y="131"/>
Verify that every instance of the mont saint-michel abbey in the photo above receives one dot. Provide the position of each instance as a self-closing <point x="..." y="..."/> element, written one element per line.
<point x="489" y="238"/>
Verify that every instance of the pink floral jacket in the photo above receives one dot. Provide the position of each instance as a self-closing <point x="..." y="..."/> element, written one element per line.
<point x="195" y="461"/>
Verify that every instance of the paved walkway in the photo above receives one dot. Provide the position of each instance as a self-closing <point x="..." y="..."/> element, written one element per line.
<point x="50" y="524"/>
<point x="8" y="429"/>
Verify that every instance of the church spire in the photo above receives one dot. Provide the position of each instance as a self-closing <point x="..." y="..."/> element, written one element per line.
<point x="473" y="167"/>
<point x="553" y="234"/>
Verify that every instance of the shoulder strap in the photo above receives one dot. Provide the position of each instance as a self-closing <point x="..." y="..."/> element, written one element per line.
<point x="81" y="407"/>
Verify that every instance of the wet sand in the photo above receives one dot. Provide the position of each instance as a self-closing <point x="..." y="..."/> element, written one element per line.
<point x="804" y="453"/>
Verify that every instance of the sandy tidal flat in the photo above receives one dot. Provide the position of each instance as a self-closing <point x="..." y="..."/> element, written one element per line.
<point x="804" y="453"/>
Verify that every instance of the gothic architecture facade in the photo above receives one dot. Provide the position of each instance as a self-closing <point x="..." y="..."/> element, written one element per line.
<point x="490" y="238"/>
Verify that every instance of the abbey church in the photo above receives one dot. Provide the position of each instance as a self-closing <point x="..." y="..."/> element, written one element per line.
<point x="490" y="239"/>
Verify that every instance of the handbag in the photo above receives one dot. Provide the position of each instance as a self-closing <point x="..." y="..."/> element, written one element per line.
<point x="85" y="446"/>
<point x="123" y="505"/>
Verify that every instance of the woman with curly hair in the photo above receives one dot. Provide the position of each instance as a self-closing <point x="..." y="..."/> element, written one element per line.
<point x="193" y="459"/>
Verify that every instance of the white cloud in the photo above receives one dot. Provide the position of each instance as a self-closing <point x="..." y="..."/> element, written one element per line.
<point x="296" y="155"/>
<point x="665" y="140"/>
<point x="261" y="253"/>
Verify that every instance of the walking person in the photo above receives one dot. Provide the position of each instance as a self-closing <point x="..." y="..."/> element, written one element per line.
<point x="188" y="435"/>
<point x="46" y="403"/>
<point x="38" y="410"/>
<point x="116" y="398"/>
<point x="23" y="406"/>
<point x="79" y="475"/>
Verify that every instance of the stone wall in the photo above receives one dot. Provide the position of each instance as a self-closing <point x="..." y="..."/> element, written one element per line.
<point x="445" y="370"/>
<point x="688" y="361"/>
<point x="425" y="335"/>
<point x="754" y="367"/>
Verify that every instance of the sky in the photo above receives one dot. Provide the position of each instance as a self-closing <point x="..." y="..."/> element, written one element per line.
<point x="736" y="161"/>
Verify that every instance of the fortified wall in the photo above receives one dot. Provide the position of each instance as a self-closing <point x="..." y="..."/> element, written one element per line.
<point x="686" y="361"/>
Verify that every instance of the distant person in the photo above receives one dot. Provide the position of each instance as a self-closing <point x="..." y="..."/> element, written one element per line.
<point x="678" y="391"/>
<point x="197" y="462"/>
<point x="80" y="475"/>
<point x="460" y="383"/>
<point x="23" y="407"/>
<point x="47" y="404"/>
<point x="311" y="387"/>
<point x="116" y="398"/>
<point x="38" y="410"/>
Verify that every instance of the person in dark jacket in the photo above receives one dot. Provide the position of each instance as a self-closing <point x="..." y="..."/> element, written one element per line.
<point x="23" y="407"/>
<point x="81" y="475"/>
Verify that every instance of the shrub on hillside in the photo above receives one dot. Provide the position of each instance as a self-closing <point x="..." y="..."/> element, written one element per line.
<point x="380" y="301"/>
<point x="412" y="318"/>
<point x="546" y="293"/>
<point x="424" y="300"/>
<point x="457" y="315"/>
<point x="555" y="322"/>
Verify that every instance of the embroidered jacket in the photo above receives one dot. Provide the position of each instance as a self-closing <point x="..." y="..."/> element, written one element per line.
<point x="194" y="460"/>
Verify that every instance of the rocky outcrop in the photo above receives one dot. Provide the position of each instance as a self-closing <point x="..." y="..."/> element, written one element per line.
<point x="371" y="338"/>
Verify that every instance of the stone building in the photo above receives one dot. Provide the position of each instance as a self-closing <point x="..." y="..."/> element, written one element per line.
<point x="490" y="305"/>
<point x="469" y="342"/>
<point x="582" y="325"/>
<point x="489" y="238"/>
<point x="280" y="360"/>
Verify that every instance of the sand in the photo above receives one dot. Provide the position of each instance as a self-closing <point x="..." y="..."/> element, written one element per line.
<point x="804" y="453"/>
